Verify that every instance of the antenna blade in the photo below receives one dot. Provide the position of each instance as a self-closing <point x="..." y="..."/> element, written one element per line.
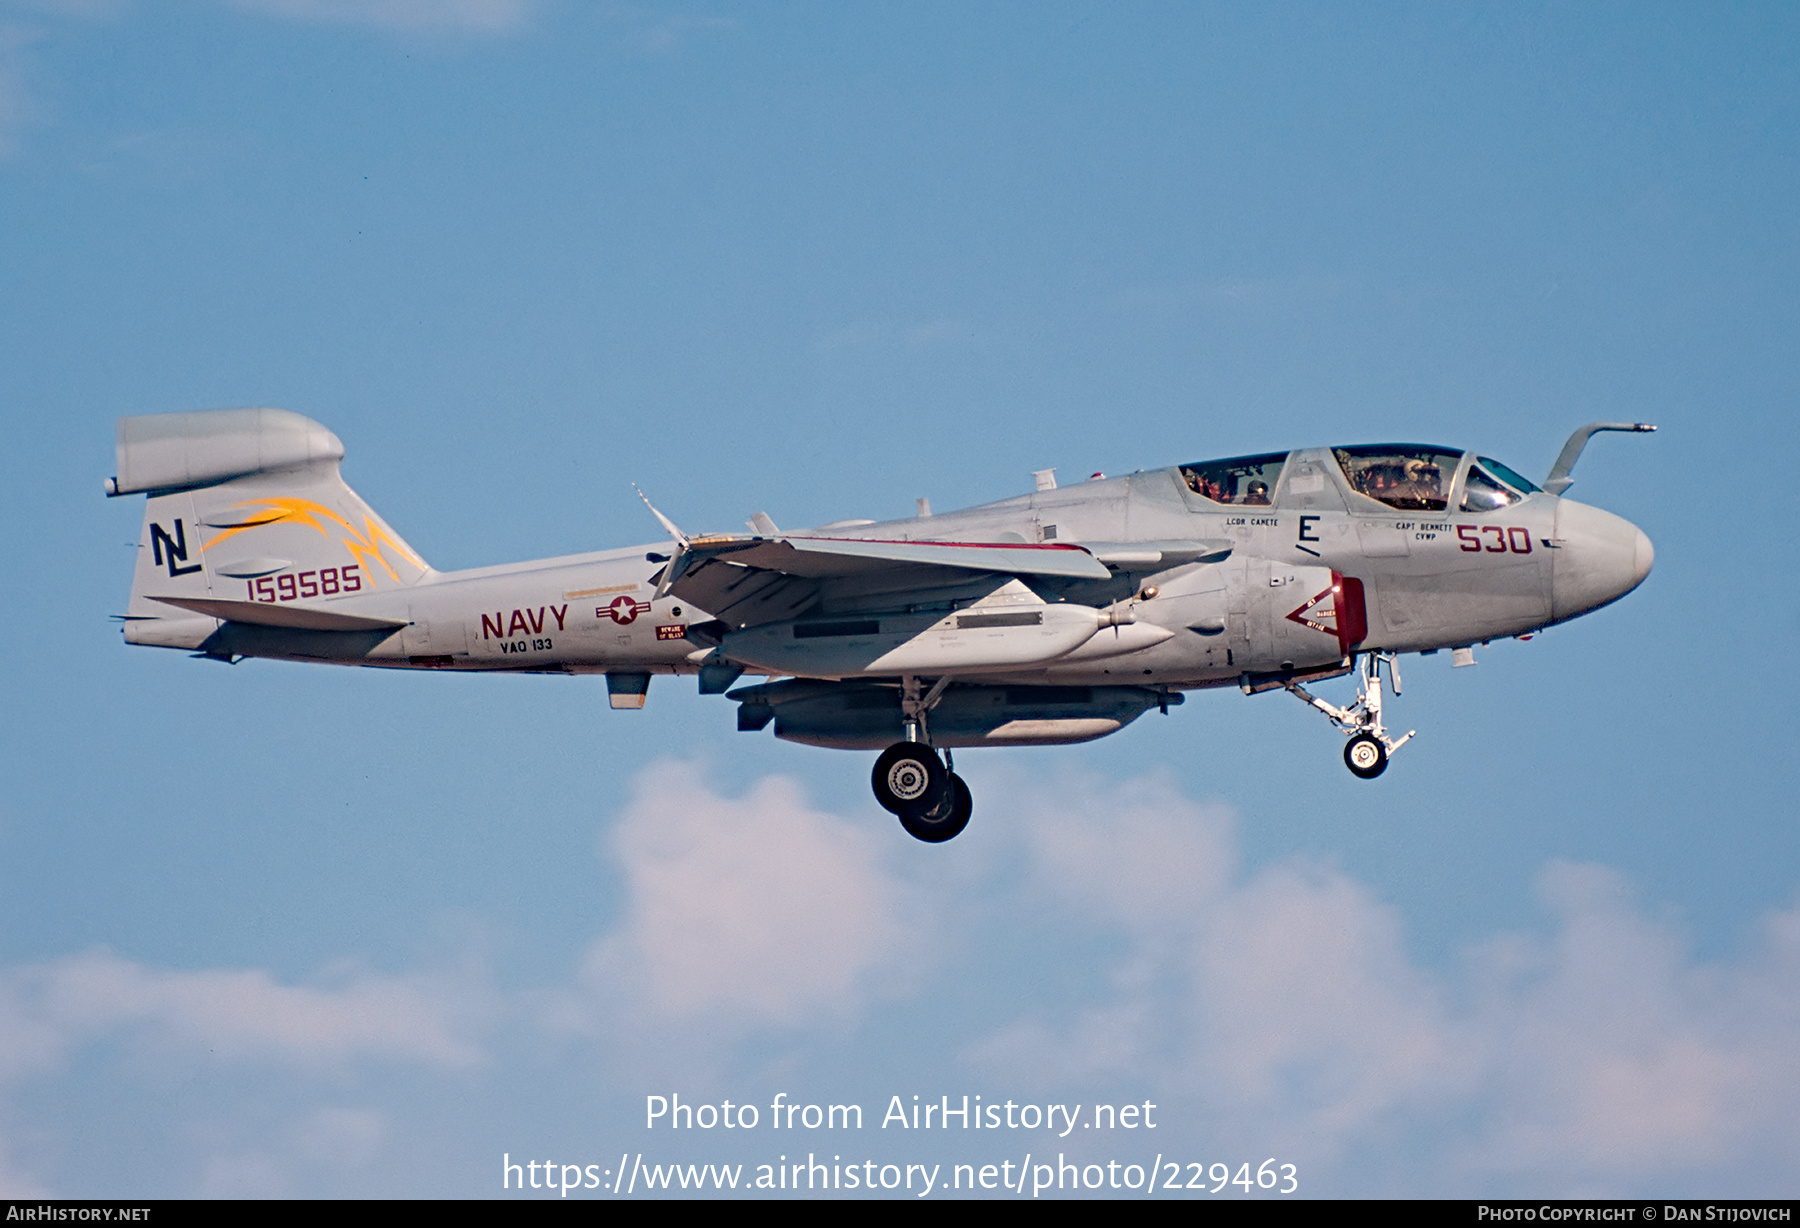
<point x="668" y="524"/>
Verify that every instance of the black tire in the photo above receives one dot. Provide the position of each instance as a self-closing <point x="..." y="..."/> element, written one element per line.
<point x="1365" y="756"/>
<point x="959" y="805"/>
<point x="909" y="776"/>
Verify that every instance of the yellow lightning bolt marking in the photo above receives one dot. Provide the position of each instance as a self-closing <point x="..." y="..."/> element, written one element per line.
<point x="278" y="510"/>
<point x="363" y="546"/>
<point x="368" y="544"/>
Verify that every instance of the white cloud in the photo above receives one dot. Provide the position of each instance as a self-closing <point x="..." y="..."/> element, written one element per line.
<point x="1285" y="997"/>
<point x="15" y="1182"/>
<point x="17" y="108"/>
<point x="90" y="10"/>
<point x="1275" y="1008"/>
<point x="241" y="1032"/>
<point x="671" y="32"/>
<point x="658" y="32"/>
<point x="473" y="16"/>
<point x="860" y="336"/>
<point x="48" y="1010"/>
<point x="160" y="155"/>
<point x="933" y="334"/>
<point x="1284" y="1002"/>
<point x="749" y="911"/>
<point x="1611" y="1053"/>
<point x="330" y="1138"/>
<point x="22" y="107"/>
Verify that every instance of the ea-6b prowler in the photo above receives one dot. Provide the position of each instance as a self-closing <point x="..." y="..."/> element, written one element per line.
<point x="1058" y="616"/>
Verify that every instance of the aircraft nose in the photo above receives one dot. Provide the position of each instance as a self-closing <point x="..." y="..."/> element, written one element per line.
<point x="1602" y="558"/>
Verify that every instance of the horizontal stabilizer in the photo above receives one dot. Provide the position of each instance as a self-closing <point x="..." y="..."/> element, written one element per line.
<point x="264" y="614"/>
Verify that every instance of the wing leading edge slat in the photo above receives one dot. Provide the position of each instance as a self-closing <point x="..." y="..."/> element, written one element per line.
<point x="821" y="557"/>
<point x="747" y="581"/>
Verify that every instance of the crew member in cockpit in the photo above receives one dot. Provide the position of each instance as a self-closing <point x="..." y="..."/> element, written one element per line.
<point x="1424" y="483"/>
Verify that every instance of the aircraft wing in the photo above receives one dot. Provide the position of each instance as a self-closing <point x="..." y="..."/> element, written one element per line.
<point x="747" y="581"/>
<point x="751" y="580"/>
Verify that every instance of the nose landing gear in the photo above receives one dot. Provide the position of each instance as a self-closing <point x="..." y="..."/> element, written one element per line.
<point x="1367" y="752"/>
<point x="913" y="784"/>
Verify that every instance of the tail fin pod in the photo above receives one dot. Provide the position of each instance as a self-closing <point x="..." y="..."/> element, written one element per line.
<point x="247" y="505"/>
<point x="169" y="452"/>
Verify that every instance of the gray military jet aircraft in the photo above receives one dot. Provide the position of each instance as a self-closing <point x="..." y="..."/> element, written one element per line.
<point x="1058" y="616"/>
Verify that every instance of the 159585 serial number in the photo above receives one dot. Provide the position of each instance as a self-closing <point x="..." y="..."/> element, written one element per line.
<point x="291" y="586"/>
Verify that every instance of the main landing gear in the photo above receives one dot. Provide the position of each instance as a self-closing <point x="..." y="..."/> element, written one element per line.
<point x="911" y="782"/>
<point x="1366" y="754"/>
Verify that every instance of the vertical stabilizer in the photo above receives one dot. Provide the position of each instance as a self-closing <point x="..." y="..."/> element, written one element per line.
<point x="247" y="505"/>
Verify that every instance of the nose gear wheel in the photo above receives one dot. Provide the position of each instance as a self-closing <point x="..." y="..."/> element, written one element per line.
<point x="1365" y="756"/>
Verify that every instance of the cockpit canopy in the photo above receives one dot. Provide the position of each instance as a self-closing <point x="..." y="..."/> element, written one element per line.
<point x="1411" y="477"/>
<point x="1240" y="481"/>
<point x="1405" y="476"/>
<point x="1483" y="493"/>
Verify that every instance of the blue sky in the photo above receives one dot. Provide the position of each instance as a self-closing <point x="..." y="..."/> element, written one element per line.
<point x="283" y="930"/>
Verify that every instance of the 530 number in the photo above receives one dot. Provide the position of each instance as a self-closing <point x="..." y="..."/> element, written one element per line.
<point x="1492" y="539"/>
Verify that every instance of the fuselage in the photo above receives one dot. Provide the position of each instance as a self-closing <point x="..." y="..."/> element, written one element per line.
<point x="1453" y="567"/>
<point x="1051" y="618"/>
